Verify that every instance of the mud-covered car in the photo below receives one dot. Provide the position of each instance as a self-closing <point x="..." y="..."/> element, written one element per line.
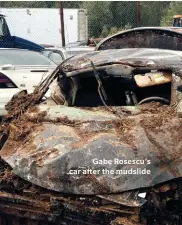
<point x="105" y="148"/>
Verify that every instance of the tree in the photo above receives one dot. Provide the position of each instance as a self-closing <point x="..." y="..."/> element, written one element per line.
<point x="123" y="13"/>
<point x="113" y="30"/>
<point x="152" y="12"/>
<point x="98" y="16"/>
<point x="72" y="4"/>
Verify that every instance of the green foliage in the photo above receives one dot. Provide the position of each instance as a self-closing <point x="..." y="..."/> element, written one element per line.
<point x="175" y="8"/>
<point x="105" y="18"/>
<point x="27" y="4"/>
<point x="108" y="17"/>
<point x="113" y="30"/>
<point x="98" y="16"/>
<point x="123" y="13"/>
<point x="152" y="12"/>
<point x="72" y="4"/>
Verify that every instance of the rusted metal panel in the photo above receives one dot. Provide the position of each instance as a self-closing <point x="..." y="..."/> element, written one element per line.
<point x="51" y="151"/>
<point x="125" y="59"/>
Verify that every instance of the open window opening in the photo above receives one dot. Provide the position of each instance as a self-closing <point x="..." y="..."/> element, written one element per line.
<point x="142" y="86"/>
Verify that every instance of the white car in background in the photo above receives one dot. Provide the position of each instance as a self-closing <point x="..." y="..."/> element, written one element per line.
<point x="21" y="70"/>
<point x="58" y="55"/>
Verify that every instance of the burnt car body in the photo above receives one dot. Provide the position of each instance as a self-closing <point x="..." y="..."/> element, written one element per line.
<point x="144" y="37"/>
<point x="86" y="155"/>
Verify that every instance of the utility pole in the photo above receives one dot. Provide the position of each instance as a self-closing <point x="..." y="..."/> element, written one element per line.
<point x="138" y="13"/>
<point x="62" y="23"/>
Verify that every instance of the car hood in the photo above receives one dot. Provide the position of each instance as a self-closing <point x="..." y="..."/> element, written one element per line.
<point x="65" y="145"/>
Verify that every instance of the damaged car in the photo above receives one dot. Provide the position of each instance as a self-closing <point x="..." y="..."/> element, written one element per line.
<point x="104" y="148"/>
<point x="144" y="37"/>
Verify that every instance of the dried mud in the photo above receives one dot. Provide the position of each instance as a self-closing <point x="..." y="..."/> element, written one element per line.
<point x="11" y="183"/>
<point x="19" y="128"/>
<point x="161" y="114"/>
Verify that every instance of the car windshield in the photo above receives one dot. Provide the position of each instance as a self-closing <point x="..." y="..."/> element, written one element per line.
<point x="23" y="57"/>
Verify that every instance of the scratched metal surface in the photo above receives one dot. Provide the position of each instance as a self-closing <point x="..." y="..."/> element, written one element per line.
<point x="53" y="149"/>
<point x="149" y="37"/>
<point x="128" y="56"/>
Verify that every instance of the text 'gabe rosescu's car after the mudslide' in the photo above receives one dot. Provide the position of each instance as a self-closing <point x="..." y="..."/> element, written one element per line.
<point x="105" y="148"/>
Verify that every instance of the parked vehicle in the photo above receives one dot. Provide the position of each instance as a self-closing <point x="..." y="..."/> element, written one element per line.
<point x="58" y="55"/>
<point x="144" y="37"/>
<point x="21" y="70"/>
<point x="9" y="41"/>
<point x="105" y="147"/>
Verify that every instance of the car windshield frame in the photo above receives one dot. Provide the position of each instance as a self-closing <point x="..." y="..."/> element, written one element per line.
<point x="18" y="57"/>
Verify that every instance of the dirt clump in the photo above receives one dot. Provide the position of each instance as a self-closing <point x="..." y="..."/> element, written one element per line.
<point x="157" y="108"/>
<point x="9" y="181"/>
<point x="130" y="220"/>
<point x="160" y="115"/>
<point x="124" y="128"/>
<point x="20" y="103"/>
